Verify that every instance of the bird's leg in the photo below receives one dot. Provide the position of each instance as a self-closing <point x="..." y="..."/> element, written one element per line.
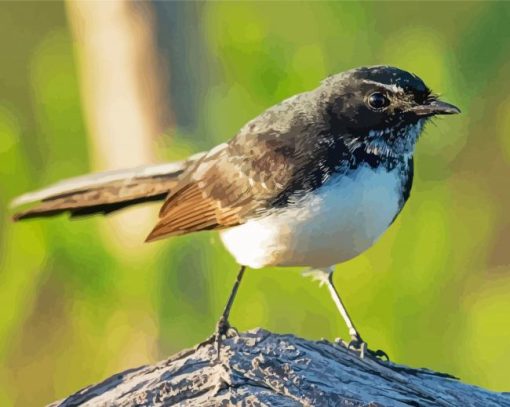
<point x="356" y="340"/>
<point x="223" y="326"/>
<point x="325" y="276"/>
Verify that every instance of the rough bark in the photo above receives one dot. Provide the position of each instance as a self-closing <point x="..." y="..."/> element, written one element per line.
<point x="259" y="368"/>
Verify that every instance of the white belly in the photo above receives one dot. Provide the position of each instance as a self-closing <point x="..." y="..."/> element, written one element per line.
<point x="338" y="221"/>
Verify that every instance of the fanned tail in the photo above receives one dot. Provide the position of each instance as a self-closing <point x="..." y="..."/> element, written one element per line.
<point x="103" y="193"/>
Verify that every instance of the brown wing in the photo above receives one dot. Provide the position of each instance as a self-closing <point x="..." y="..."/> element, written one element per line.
<point x="190" y="210"/>
<point x="224" y="189"/>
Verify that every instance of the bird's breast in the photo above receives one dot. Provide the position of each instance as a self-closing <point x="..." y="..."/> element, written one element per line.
<point x="332" y="224"/>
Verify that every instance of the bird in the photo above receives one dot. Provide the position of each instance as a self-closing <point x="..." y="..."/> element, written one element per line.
<point x="312" y="182"/>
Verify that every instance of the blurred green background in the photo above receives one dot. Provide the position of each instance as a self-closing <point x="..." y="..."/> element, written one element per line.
<point x="81" y="300"/>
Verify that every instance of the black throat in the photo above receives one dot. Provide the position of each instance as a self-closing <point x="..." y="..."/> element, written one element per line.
<point x="332" y="156"/>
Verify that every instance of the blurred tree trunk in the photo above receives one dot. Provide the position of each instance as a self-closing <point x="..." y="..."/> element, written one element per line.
<point x="122" y="84"/>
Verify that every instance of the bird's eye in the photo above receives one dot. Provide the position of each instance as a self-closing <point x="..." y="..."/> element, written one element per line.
<point x="378" y="101"/>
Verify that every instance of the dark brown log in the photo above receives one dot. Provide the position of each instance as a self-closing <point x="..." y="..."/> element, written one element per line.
<point x="259" y="368"/>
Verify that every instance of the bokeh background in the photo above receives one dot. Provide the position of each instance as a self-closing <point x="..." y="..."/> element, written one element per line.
<point x="89" y="86"/>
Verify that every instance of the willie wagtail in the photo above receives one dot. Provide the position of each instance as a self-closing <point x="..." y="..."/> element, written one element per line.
<point x="313" y="181"/>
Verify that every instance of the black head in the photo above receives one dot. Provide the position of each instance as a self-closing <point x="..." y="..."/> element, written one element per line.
<point x="381" y="108"/>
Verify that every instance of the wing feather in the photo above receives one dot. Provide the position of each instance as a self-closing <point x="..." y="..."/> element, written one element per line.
<point x="190" y="210"/>
<point x="225" y="187"/>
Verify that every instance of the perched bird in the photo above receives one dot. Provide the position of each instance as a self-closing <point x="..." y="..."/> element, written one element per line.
<point x="312" y="181"/>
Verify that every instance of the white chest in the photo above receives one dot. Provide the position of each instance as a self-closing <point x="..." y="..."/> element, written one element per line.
<point x="338" y="221"/>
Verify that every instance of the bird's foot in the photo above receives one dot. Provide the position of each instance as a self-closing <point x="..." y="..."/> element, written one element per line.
<point x="223" y="330"/>
<point x="360" y="347"/>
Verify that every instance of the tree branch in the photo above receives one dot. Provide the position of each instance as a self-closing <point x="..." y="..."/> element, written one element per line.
<point x="259" y="368"/>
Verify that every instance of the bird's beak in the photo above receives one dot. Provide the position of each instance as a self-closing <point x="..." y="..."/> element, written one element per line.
<point x="435" y="107"/>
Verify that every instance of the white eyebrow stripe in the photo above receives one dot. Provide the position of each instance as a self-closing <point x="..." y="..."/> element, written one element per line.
<point x="393" y="88"/>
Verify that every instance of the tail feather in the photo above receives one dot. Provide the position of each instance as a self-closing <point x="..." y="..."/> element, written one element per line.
<point x="103" y="193"/>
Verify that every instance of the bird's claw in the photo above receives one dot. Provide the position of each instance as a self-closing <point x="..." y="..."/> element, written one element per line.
<point x="223" y="330"/>
<point x="360" y="346"/>
<point x="378" y="354"/>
